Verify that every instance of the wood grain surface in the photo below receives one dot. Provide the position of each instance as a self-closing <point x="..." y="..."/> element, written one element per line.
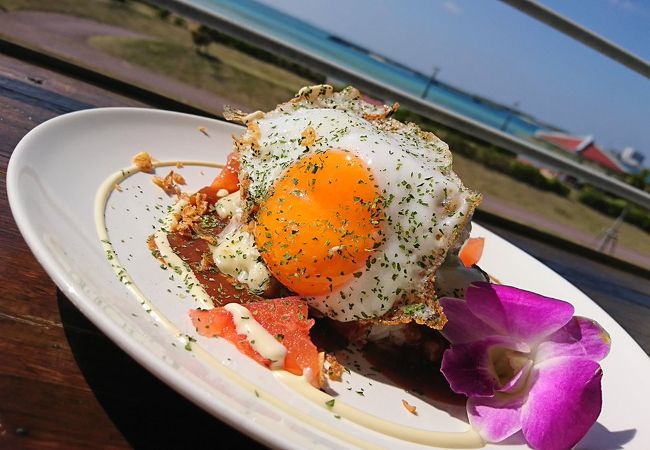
<point x="63" y="384"/>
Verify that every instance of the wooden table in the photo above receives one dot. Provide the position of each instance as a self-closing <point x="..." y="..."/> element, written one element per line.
<point x="63" y="384"/>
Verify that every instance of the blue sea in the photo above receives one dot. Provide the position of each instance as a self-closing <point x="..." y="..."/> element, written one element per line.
<point x="285" y="28"/>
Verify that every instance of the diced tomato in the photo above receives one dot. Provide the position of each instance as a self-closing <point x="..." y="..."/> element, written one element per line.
<point x="228" y="179"/>
<point x="285" y="318"/>
<point x="471" y="252"/>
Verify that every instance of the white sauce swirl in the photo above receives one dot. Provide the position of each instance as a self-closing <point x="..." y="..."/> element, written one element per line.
<point x="258" y="337"/>
<point x="237" y="256"/>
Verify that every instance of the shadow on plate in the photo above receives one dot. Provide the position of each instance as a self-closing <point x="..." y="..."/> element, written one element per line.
<point x="419" y="377"/>
<point x="600" y="438"/>
<point x="148" y="413"/>
<point x="404" y="367"/>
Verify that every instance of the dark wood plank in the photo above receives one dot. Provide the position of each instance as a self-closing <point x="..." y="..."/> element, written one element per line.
<point x="45" y="401"/>
<point x="63" y="384"/>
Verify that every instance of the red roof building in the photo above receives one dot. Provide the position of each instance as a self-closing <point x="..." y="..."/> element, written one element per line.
<point x="583" y="146"/>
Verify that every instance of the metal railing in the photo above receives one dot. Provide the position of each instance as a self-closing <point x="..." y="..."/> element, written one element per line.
<point x="582" y="34"/>
<point x="379" y="89"/>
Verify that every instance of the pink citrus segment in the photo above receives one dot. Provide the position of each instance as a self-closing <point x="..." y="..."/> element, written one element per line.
<point x="284" y="318"/>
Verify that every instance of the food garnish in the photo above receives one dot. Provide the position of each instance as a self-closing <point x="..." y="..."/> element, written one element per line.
<point x="410" y="408"/>
<point x="144" y="162"/>
<point x="170" y="183"/>
<point x="471" y="252"/>
<point x="335" y="369"/>
<point x="525" y="363"/>
<point x="228" y="178"/>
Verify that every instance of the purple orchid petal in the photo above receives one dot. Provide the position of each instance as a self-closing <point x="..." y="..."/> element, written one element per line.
<point x="519" y="380"/>
<point x="580" y="337"/>
<point x="495" y="418"/>
<point x="463" y="326"/>
<point x="517" y="313"/>
<point x="563" y="402"/>
<point x="469" y="367"/>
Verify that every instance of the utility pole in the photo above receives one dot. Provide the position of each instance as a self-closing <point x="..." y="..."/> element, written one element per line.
<point x="432" y="78"/>
<point x="611" y="234"/>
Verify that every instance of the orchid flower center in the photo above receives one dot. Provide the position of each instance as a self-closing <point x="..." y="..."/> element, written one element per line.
<point x="506" y="363"/>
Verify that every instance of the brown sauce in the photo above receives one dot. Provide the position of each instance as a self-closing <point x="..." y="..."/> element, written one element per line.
<point x="221" y="288"/>
<point x="210" y="195"/>
<point x="194" y="250"/>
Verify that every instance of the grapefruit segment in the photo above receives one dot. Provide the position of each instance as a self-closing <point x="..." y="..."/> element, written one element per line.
<point x="228" y="179"/>
<point x="471" y="252"/>
<point x="284" y="318"/>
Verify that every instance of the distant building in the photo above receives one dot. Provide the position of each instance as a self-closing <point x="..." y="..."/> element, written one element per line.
<point x="631" y="157"/>
<point x="584" y="147"/>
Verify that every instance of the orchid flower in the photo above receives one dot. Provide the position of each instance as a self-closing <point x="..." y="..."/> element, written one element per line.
<point x="525" y="363"/>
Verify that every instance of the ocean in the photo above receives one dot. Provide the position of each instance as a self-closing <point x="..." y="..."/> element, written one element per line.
<point x="283" y="27"/>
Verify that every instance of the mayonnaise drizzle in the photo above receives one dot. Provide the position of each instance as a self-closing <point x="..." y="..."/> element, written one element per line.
<point x="237" y="256"/>
<point x="467" y="439"/>
<point x="229" y="206"/>
<point x="449" y="439"/>
<point x="261" y="340"/>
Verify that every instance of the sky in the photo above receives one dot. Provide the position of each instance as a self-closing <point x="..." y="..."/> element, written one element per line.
<point x="488" y="48"/>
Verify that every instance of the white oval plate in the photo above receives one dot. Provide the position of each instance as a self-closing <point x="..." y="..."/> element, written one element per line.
<point x="52" y="179"/>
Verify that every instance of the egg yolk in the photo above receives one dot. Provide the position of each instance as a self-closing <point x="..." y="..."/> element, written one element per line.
<point x="321" y="223"/>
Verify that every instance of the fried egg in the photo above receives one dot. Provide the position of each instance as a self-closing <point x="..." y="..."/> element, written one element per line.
<point x="351" y="209"/>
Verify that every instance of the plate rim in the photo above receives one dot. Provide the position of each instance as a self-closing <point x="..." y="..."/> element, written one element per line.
<point x="120" y="337"/>
<point x="235" y="419"/>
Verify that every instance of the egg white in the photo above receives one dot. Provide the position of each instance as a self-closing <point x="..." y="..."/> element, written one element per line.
<point x="426" y="204"/>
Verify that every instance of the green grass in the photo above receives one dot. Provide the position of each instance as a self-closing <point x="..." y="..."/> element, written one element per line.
<point x="231" y="74"/>
<point x="133" y="16"/>
<point x="566" y="211"/>
<point x="225" y="72"/>
<point x="260" y="70"/>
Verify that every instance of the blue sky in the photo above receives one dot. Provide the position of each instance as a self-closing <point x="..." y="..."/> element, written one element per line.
<point x="491" y="49"/>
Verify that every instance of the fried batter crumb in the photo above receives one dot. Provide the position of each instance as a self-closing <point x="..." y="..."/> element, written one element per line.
<point x="410" y="408"/>
<point x="254" y="128"/>
<point x="321" y="371"/>
<point x="387" y="112"/>
<point x="170" y="183"/>
<point x="177" y="177"/>
<point x="117" y="187"/>
<point x="206" y="262"/>
<point x="179" y="165"/>
<point x="204" y="131"/>
<point x="235" y="115"/>
<point x="144" y="162"/>
<point x="151" y="243"/>
<point x="191" y="213"/>
<point x="308" y="137"/>
<point x="250" y="138"/>
<point x="335" y="369"/>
